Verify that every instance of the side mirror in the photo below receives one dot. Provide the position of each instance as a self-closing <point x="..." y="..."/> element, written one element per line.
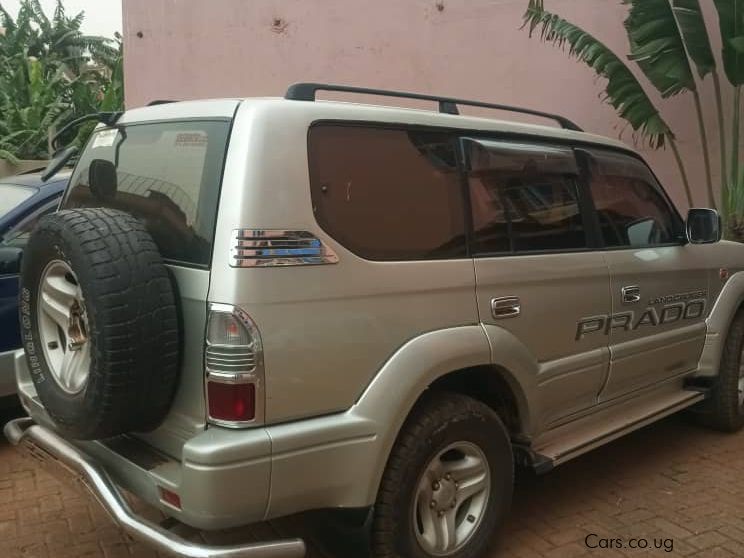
<point x="102" y="179"/>
<point x="10" y="260"/>
<point x="703" y="226"/>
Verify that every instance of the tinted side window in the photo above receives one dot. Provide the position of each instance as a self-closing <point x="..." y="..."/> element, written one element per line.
<point x="631" y="209"/>
<point x="524" y="197"/>
<point x="167" y="174"/>
<point x="387" y="194"/>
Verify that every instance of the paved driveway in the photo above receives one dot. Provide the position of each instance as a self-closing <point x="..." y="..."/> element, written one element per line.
<point x="671" y="485"/>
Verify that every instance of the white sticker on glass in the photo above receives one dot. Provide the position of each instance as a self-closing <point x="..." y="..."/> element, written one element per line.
<point x="105" y="138"/>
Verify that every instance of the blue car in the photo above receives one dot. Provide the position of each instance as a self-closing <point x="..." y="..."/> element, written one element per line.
<point x="23" y="200"/>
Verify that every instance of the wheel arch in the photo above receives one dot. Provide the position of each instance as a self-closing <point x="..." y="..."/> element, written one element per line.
<point x="725" y="308"/>
<point x="493" y="385"/>
<point x="455" y="359"/>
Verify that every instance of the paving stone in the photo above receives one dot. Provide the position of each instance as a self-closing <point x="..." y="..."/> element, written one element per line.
<point x="671" y="480"/>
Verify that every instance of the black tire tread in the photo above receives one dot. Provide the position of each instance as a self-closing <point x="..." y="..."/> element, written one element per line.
<point x="722" y="410"/>
<point x="132" y="315"/>
<point x="434" y="411"/>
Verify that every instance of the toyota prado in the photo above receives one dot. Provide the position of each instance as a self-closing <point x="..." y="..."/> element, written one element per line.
<point x="248" y="308"/>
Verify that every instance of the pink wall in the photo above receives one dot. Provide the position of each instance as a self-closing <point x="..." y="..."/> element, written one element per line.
<point x="185" y="49"/>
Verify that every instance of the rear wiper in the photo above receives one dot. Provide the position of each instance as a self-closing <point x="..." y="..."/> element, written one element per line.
<point x="108" y="118"/>
<point x="59" y="160"/>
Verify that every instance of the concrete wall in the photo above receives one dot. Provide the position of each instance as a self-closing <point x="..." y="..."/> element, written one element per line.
<point x="184" y="49"/>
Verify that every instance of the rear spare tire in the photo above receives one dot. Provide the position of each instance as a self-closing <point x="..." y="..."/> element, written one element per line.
<point x="99" y="323"/>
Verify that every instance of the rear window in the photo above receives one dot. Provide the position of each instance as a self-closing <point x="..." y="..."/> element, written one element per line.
<point x="168" y="175"/>
<point x="11" y="196"/>
<point x="387" y="194"/>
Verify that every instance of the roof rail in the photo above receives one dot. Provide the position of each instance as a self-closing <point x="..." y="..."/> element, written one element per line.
<point x="447" y="105"/>
<point x="160" y="102"/>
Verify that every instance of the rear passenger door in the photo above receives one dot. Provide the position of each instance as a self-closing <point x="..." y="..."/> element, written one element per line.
<point x="658" y="281"/>
<point x="536" y="274"/>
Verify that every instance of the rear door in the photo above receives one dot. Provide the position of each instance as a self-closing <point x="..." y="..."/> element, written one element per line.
<point x="536" y="272"/>
<point x="168" y="175"/>
<point x="658" y="282"/>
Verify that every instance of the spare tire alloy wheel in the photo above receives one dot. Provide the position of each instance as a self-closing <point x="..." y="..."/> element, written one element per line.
<point x="99" y="323"/>
<point x="63" y="327"/>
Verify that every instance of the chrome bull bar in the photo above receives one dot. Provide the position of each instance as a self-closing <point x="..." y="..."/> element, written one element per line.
<point x="61" y="457"/>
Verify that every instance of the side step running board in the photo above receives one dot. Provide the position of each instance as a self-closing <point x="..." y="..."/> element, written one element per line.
<point x="576" y="438"/>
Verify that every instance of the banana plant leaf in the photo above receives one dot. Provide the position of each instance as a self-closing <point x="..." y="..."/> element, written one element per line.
<point x="624" y="92"/>
<point x="695" y="34"/>
<point x="731" y="21"/>
<point x="50" y="72"/>
<point x="658" y="47"/>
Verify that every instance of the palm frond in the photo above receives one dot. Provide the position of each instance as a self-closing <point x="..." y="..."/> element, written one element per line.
<point x="6" y="21"/>
<point x="691" y="23"/>
<point x="59" y="14"/>
<point x="40" y="18"/>
<point x="50" y="72"/>
<point x="656" y="45"/>
<point x="623" y="91"/>
<point x="77" y="21"/>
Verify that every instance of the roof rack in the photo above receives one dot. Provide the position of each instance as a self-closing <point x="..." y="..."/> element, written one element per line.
<point x="447" y="105"/>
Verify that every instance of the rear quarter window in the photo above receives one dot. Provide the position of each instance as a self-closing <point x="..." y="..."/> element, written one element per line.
<point x="387" y="194"/>
<point x="168" y="175"/>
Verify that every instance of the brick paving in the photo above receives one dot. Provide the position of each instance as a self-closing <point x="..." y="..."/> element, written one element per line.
<point x="670" y="483"/>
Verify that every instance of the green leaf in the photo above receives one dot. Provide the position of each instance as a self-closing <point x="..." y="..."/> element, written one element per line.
<point x="737" y="44"/>
<point x="51" y="72"/>
<point x="695" y="34"/>
<point x="731" y="22"/>
<point x="8" y="156"/>
<point x="657" y="46"/>
<point x="623" y="91"/>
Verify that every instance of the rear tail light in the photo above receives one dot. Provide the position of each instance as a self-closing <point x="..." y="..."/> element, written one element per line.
<point x="231" y="402"/>
<point x="234" y="368"/>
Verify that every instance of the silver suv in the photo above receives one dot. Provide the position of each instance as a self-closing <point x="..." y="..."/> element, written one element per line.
<point x="249" y="308"/>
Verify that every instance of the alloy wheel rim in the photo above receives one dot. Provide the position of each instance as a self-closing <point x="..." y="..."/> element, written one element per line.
<point x="63" y="327"/>
<point x="451" y="498"/>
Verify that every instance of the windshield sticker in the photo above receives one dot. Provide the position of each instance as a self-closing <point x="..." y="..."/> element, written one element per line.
<point x="191" y="139"/>
<point x="105" y="138"/>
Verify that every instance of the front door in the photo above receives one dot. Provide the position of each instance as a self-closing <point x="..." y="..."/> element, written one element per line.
<point x="536" y="273"/>
<point x="658" y="282"/>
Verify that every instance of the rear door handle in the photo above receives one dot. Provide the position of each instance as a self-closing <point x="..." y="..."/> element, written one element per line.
<point x="505" y="307"/>
<point x="631" y="294"/>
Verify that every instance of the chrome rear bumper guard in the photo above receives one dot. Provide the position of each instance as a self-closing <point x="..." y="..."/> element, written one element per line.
<point x="54" y="452"/>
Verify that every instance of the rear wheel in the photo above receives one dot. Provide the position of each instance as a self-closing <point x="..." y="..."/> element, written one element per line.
<point x="448" y="482"/>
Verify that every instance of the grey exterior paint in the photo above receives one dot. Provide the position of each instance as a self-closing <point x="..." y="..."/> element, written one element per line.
<point x="350" y="347"/>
